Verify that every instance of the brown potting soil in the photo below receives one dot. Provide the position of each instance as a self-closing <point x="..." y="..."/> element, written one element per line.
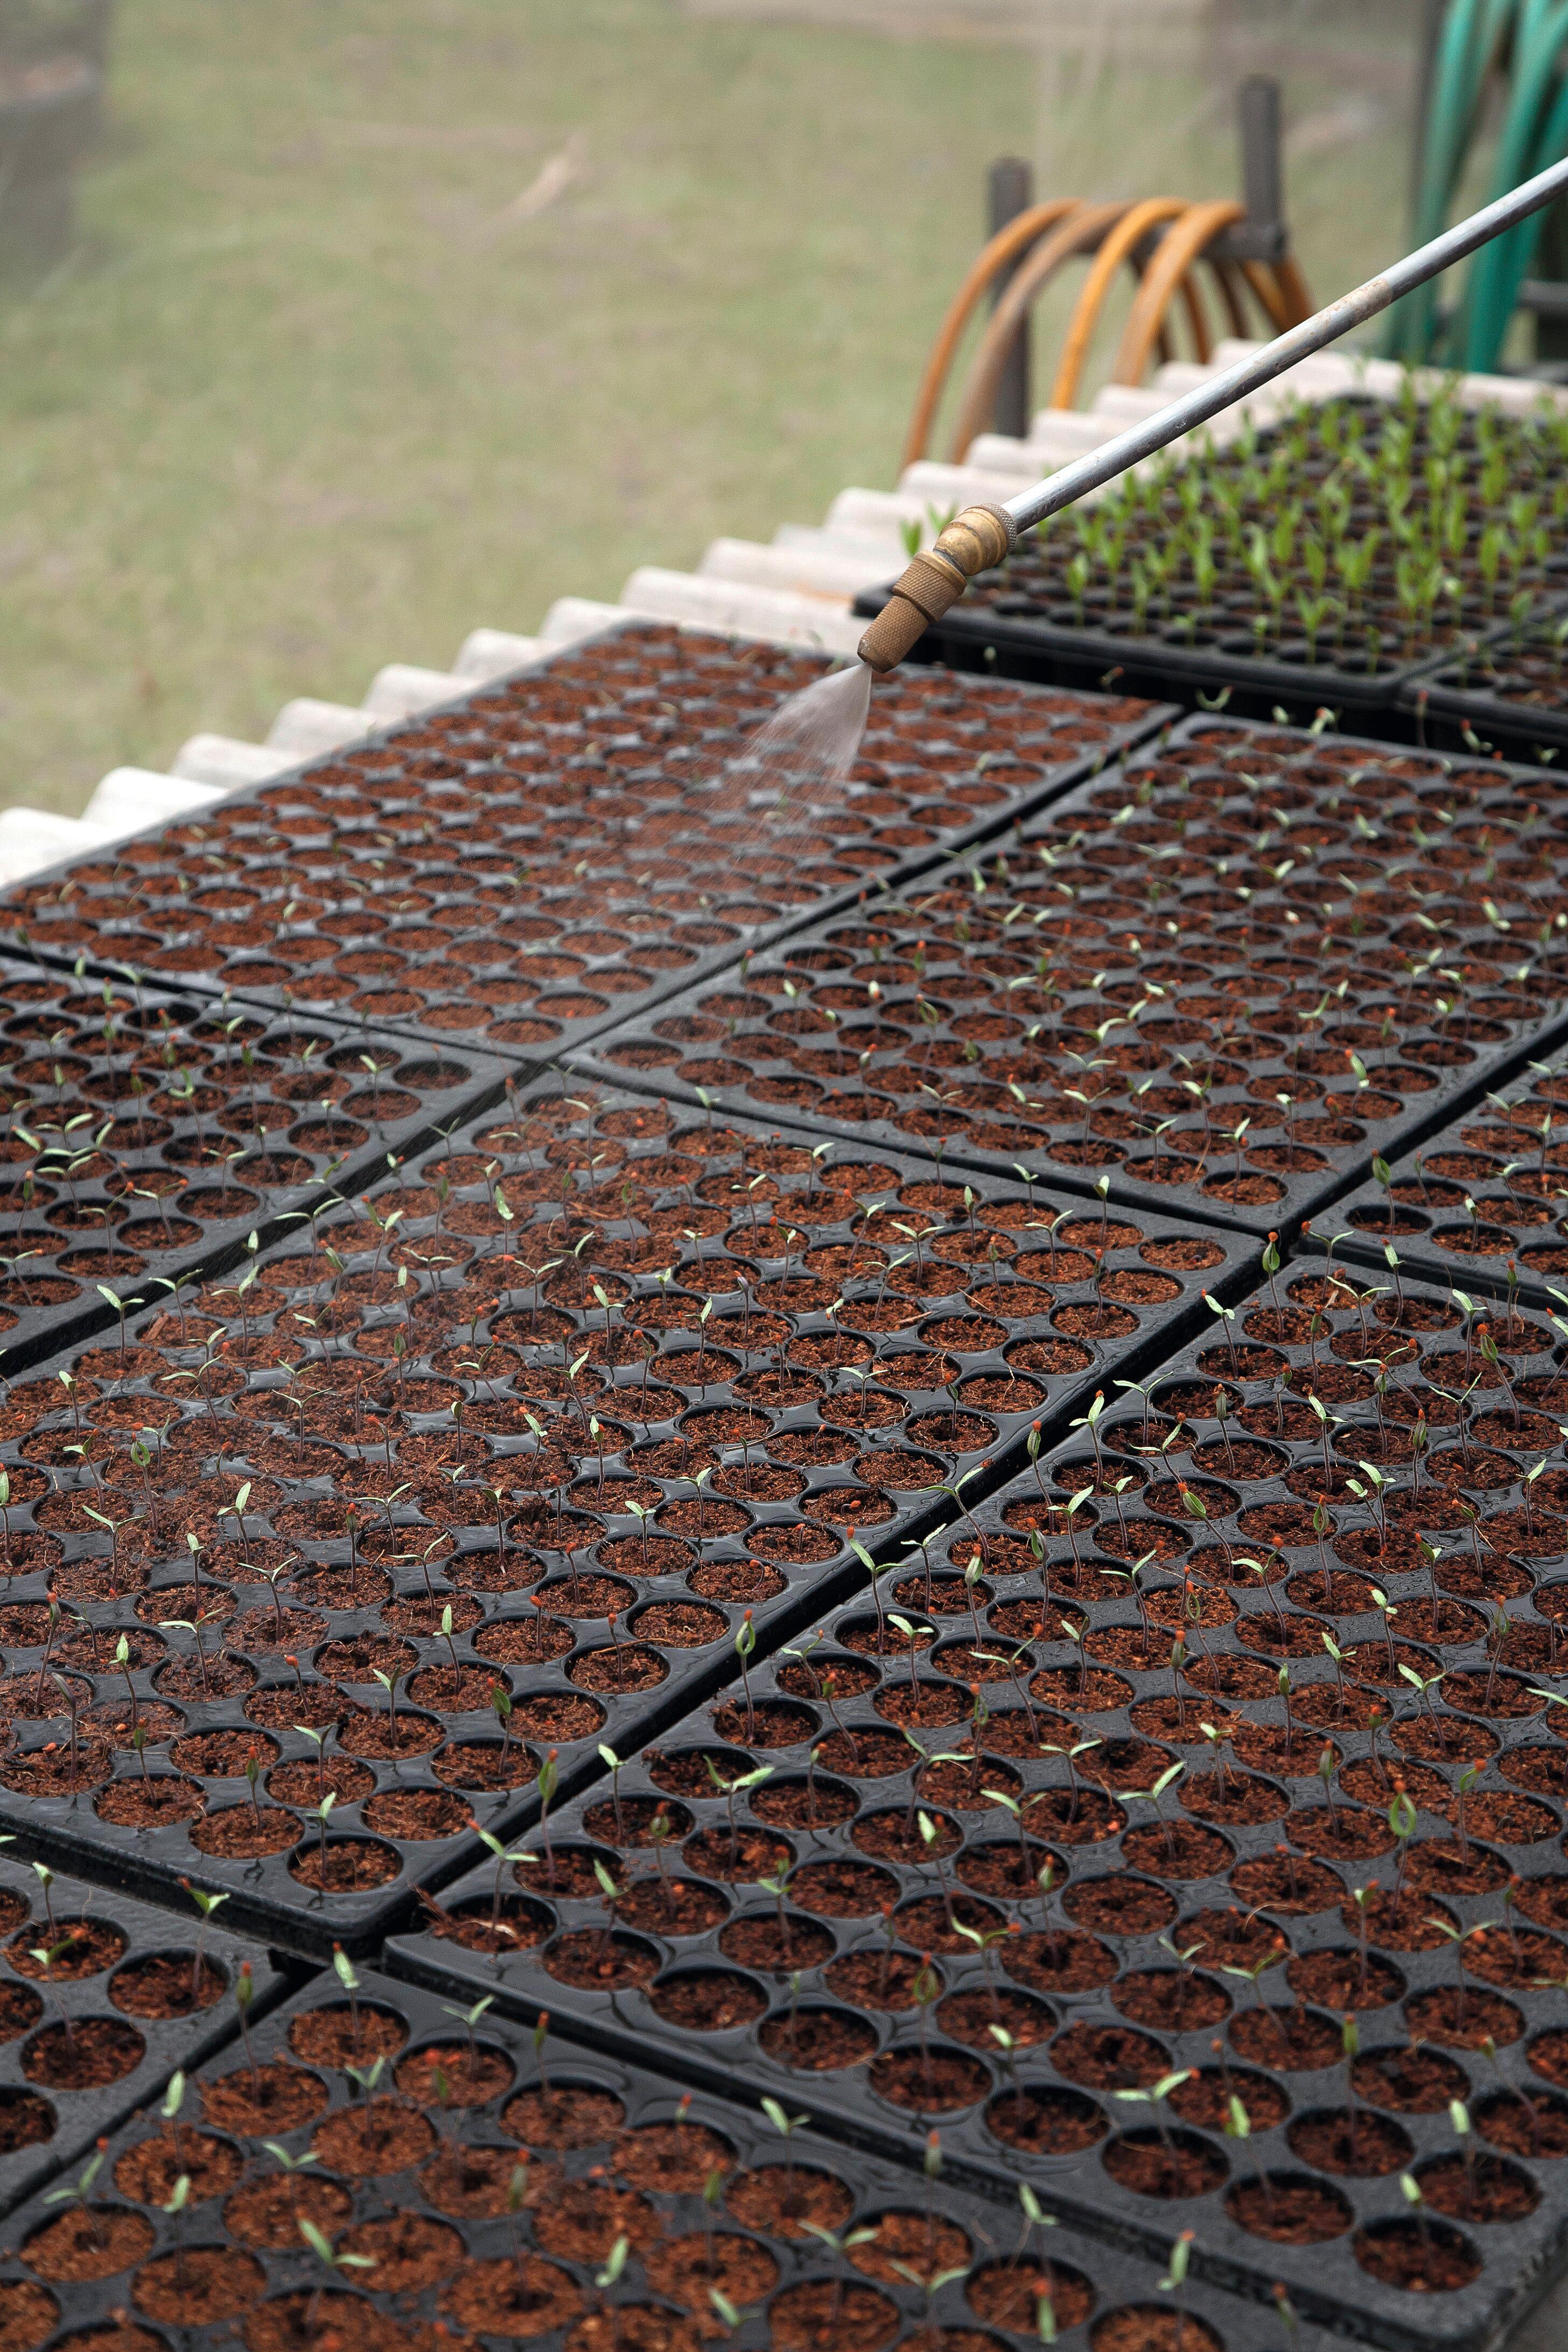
<point x="26" y="2119"/>
<point x="76" y="1949"/>
<point x="1530" y="2122"/>
<point x="29" y="2313"/>
<point x="198" y="2286"/>
<point x="1163" y="2164"/>
<point x="149" y="2172"/>
<point x="88" y="2243"/>
<point x="1411" y="2080"/>
<point x="88" y="2054"/>
<point x="1489" y="2189"/>
<point x="1423" y="2257"/>
<point x="927" y="2083"/>
<point x="19" y="2009"/>
<point x="344" y="2034"/>
<point x="276" y="2097"/>
<point x="1290" y="2210"/>
<point x="167" y="1984"/>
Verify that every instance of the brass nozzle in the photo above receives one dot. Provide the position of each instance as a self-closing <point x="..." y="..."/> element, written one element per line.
<point x="973" y="541"/>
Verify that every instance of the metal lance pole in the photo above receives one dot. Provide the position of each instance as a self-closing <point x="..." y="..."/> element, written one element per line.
<point x="983" y="535"/>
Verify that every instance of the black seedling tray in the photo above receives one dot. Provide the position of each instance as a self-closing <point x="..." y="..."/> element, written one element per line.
<point x="977" y="633"/>
<point x="526" y="868"/>
<point x="428" y="1261"/>
<point x="1517" y="1236"/>
<point x="1215" y="973"/>
<point x="1448" y="708"/>
<point x="1114" y="1977"/>
<point x="99" y="2009"/>
<point x="600" y="2152"/>
<point x="150" y="1135"/>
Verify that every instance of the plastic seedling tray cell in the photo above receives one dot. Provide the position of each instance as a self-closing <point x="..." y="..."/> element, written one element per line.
<point x="1088" y="1770"/>
<point x="146" y="1136"/>
<point x="1279" y="569"/>
<point x="465" y="2183"/>
<point x="1221" y="977"/>
<point x="545" y="1433"/>
<point x="1482" y="1202"/>
<point x="529" y="866"/>
<point x="101" y="1998"/>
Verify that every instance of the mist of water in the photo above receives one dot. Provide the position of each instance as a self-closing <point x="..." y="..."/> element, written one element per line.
<point x="816" y="732"/>
<point x="794" y="770"/>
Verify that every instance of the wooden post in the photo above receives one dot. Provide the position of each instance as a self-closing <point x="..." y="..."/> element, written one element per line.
<point x="1010" y="189"/>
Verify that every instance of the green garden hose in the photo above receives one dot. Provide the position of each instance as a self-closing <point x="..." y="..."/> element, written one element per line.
<point x="1526" y="41"/>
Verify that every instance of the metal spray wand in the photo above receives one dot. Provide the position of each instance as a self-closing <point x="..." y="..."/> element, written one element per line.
<point x="984" y="535"/>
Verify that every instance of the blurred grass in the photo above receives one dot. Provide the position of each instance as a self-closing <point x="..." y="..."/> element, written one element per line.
<point x="309" y="401"/>
<point x="315" y="395"/>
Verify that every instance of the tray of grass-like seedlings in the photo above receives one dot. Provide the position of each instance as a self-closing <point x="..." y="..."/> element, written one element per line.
<point x="1335" y="557"/>
<point x="1505" y="693"/>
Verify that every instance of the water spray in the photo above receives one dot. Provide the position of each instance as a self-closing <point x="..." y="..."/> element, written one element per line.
<point x="984" y="535"/>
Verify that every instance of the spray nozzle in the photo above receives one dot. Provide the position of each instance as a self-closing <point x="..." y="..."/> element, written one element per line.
<point x="973" y="541"/>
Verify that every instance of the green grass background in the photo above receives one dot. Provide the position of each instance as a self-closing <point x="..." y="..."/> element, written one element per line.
<point x="307" y="398"/>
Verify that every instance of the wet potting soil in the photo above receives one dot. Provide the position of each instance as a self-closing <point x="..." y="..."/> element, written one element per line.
<point x="510" y="1460"/>
<point x="102" y="2000"/>
<point x="1220" y="978"/>
<point x="148" y="1136"/>
<point x="1483" y="1203"/>
<point x="1227" y="1728"/>
<point x="463" y="2182"/>
<point x="531" y="866"/>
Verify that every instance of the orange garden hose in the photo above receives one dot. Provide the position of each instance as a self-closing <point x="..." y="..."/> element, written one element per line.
<point x="1130" y="231"/>
<point x="1048" y="234"/>
<point x="1232" y="286"/>
<point x="1082" y="231"/>
<point x="1170" y="269"/>
<point x="1004" y="248"/>
<point x="1293" y="289"/>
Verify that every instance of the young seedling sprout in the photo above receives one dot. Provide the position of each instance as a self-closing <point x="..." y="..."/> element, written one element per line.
<point x="1156" y="2097"/>
<point x="78" y="2191"/>
<point x="469" y="2019"/>
<point x="548" y="1782"/>
<point x="839" y="2246"/>
<point x="175" y="2208"/>
<point x="786" y="2126"/>
<point x="1410" y="2190"/>
<point x="519" y="1858"/>
<point x="291" y="2167"/>
<point x="244" y="1994"/>
<point x="333" y="2265"/>
<point x="731" y="2316"/>
<point x="1151" y="1795"/>
<point x="206" y="1905"/>
<point x="712" y="2191"/>
<point x="348" y="1977"/>
<point x="1456" y="1938"/>
<point x="1174" y="2284"/>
